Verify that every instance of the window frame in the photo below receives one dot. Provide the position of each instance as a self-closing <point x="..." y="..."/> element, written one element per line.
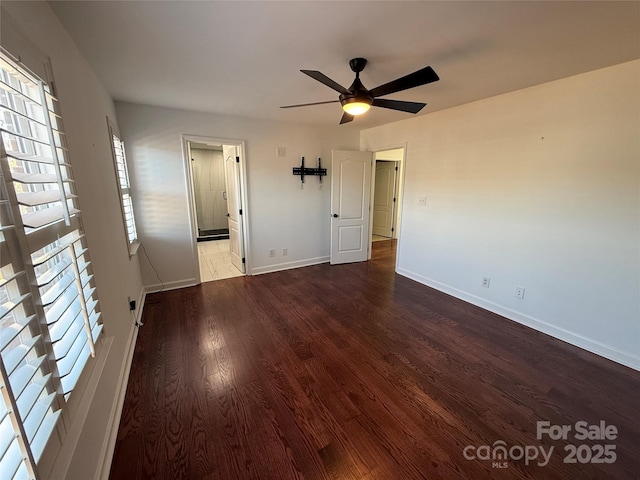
<point x="52" y="256"/>
<point x="114" y="136"/>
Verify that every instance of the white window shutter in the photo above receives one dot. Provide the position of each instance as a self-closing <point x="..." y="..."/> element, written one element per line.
<point x="49" y="310"/>
<point x="124" y="185"/>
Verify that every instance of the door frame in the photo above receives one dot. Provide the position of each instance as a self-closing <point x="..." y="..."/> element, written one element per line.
<point x="399" y="194"/>
<point x="394" y="208"/>
<point x="191" y="204"/>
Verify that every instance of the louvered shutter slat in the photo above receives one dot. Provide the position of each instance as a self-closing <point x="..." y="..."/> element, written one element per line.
<point x="43" y="434"/>
<point x="23" y="375"/>
<point x="63" y="345"/>
<point x="34" y="177"/>
<point x="43" y="197"/>
<point x="9" y="306"/>
<point x="8" y="334"/>
<point x="14" y="356"/>
<point x="6" y="435"/>
<point x="61" y="285"/>
<point x="7" y="279"/>
<point x="31" y="158"/>
<point x="30" y="395"/>
<point x="49" y="275"/>
<point x="40" y="259"/>
<point x="66" y="363"/>
<point x="45" y="217"/>
<point x="36" y="416"/>
<point x="70" y="381"/>
<point x="60" y="311"/>
<point x="11" y="460"/>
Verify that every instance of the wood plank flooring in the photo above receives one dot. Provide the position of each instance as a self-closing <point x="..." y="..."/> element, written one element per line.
<point x="351" y="372"/>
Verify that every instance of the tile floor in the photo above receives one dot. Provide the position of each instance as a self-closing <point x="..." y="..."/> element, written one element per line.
<point x="215" y="261"/>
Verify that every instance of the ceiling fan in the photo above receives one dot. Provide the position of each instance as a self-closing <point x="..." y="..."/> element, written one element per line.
<point x="356" y="99"/>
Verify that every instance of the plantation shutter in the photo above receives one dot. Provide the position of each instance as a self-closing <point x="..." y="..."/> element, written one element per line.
<point x="49" y="313"/>
<point x="28" y="393"/>
<point x="124" y="185"/>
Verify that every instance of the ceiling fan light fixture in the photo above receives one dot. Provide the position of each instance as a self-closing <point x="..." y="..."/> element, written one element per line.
<point x="356" y="106"/>
<point x="357" y="99"/>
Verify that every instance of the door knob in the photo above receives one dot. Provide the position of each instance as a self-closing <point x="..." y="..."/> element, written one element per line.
<point x="335" y="215"/>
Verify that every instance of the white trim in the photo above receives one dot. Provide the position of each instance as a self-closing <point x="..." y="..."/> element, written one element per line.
<point x="160" y="287"/>
<point x="289" y="265"/>
<point x="191" y="205"/>
<point x="625" y="358"/>
<point x="106" y="453"/>
<point x="400" y="203"/>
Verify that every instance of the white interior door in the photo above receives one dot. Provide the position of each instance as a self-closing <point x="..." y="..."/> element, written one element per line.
<point x="234" y="205"/>
<point x="384" y="198"/>
<point x="350" y="192"/>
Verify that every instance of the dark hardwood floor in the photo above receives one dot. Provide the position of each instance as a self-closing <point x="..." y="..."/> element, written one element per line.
<point x="352" y="372"/>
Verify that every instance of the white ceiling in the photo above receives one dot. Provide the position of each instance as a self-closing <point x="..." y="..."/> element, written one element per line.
<point x="243" y="58"/>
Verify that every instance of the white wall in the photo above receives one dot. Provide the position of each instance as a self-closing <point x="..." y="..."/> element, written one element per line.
<point x="536" y="188"/>
<point x="280" y="213"/>
<point x="85" y="105"/>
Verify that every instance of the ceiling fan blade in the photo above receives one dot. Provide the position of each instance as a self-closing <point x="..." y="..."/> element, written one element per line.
<point x="322" y="78"/>
<point x="415" y="79"/>
<point x="410" y="107"/>
<point x="346" y="118"/>
<point x="309" y="104"/>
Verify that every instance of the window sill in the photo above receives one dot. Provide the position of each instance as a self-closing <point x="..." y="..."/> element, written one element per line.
<point x="133" y="248"/>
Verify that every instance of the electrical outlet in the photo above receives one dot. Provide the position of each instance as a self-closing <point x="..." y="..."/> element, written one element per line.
<point x="485" y="282"/>
<point x="281" y="152"/>
<point x="519" y="293"/>
<point x="285" y="252"/>
<point x="422" y="200"/>
<point x="272" y="253"/>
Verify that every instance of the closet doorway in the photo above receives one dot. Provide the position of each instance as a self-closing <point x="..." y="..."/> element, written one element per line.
<point x="216" y="177"/>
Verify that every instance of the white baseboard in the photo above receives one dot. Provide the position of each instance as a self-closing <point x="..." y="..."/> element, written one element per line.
<point x="625" y="358"/>
<point x="106" y="456"/>
<point x="289" y="265"/>
<point x="158" y="287"/>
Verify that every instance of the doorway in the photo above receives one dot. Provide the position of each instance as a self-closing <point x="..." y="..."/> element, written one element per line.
<point x="386" y="200"/>
<point x="218" y="199"/>
<point x="209" y="191"/>
<point x="353" y="191"/>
